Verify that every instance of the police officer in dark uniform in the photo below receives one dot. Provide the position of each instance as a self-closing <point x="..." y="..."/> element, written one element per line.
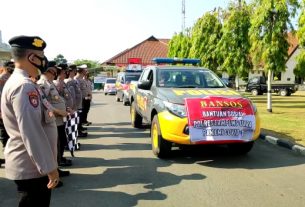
<point x="4" y="76"/>
<point x="31" y="150"/>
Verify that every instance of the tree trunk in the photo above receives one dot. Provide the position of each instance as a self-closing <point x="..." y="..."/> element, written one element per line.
<point x="269" y="95"/>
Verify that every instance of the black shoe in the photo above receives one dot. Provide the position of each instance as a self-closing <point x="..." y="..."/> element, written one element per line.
<point x="65" y="162"/>
<point x="81" y="134"/>
<point x="2" y="161"/>
<point x="87" y="123"/>
<point x="60" y="184"/>
<point x="83" y="128"/>
<point x="63" y="173"/>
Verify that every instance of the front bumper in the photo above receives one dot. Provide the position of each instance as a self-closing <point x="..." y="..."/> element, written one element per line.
<point x="173" y="129"/>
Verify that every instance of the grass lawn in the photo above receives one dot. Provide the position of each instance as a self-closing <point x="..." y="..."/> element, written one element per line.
<point x="287" y="119"/>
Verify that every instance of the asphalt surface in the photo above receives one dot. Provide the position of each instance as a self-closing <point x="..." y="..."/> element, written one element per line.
<point x="115" y="167"/>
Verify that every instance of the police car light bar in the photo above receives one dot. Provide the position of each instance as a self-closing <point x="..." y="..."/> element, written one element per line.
<point x="176" y="61"/>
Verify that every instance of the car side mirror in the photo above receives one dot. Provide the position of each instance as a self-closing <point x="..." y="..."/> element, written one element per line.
<point x="229" y="84"/>
<point x="145" y="85"/>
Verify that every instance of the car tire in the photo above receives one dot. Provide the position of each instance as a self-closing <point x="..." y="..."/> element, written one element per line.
<point x="240" y="148"/>
<point x="254" y="92"/>
<point x="160" y="147"/>
<point x="283" y="92"/>
<point x="136" y="119"/>
<point x="124" y="101"/>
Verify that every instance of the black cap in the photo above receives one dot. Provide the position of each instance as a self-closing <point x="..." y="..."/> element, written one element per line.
<point x="9" y="64"/>
<point x="51" y="63"/>
<point x="72" y="67"/>
<point x="28" y="42"/>
<point x="63" y="66"/>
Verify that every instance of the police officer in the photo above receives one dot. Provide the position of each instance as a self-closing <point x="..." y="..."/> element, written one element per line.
<point x="71" y="84"/>
<point x="6" y="73"/>
<point x="75" y="90"/>
<point x="31" y="150"/>
<point x="87" y="99"/>
<point x="58" y="103"/>
<point x="83" y="89"/>
<point x="62" y="87"/>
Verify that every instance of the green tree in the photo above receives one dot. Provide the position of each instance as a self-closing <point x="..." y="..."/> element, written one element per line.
<point x="94" y="67"/>
<point x="234" y="45"/>
<point x="205" y="35"/>
<point x="89" y="63"/>
<point x="268" y="34"/>
<point x="300" y="67"/>
<point x="59" y="59"/>
<point x="179" y="46"/>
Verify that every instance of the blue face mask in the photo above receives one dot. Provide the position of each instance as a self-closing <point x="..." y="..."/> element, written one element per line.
<point x="43" y="63"/>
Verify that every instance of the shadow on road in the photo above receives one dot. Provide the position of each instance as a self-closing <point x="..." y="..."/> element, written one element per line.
<point x="122" y="173"/>
<point x="121" y="146"/>
<point x="261" y="157"/>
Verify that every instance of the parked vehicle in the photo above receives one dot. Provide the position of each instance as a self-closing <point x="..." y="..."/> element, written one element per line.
<point x="109" y="87"/>
<point x="257" y="86"/>
<point x="188" y="105"/>
<point x="123" y="83"/>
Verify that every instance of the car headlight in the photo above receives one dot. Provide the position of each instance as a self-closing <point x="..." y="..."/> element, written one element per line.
<point x="254" y="106"/>
<point x="176" y="109"/>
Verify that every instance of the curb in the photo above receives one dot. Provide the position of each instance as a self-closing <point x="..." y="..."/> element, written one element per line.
<point x="284" y="143"/>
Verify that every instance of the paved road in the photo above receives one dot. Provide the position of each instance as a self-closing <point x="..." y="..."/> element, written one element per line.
<point x="117" y="168"/>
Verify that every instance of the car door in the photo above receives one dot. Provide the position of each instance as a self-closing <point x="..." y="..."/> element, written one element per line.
<point x="142" y="95"/>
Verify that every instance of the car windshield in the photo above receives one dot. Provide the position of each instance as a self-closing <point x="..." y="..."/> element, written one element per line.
<point x="188" y="78"/>
<point x="134" y="77"/>
<point x="110" y="81"/>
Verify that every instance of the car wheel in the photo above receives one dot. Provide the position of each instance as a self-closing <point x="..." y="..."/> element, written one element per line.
<point x="136" y="119"/>
<point x="254" y="92"/>
<point x="117" y="99"/>
<point x="283" y="92"/>
<point x="160" y="147"/>
<point x="240" y="148"/>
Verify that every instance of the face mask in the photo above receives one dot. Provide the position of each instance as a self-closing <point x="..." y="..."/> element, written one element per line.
<point x="43" y="63"/>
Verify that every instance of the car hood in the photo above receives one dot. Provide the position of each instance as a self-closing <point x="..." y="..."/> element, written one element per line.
<point x="177" y="95"/>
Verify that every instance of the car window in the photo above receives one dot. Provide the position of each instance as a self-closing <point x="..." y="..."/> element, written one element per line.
<point x="188" y="78"/>
<point x="254" y="80"/>
<point x="110" y="81"/>
<point x="132" y="77"/>
<point x="145" y="75"/>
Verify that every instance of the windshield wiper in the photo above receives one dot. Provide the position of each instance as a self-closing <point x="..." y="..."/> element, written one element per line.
<point x="187" y="86"/>
<point x="216" y="87"/>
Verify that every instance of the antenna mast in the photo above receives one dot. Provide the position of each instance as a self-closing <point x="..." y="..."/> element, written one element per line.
<point x="183" y="16"/>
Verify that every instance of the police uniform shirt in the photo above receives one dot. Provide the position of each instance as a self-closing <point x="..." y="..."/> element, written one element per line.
<point x="78" y="94"/>
<point x="89" y="88"/>
<point x="64" y="92"/>
<point x="83" y="86"/>
<point x="3" y="78"/>
<point x="31" y="150"/>
<point x="52" y="96"/>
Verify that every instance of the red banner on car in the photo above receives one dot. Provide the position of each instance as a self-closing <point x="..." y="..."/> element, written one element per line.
<point x="220" y="118"/>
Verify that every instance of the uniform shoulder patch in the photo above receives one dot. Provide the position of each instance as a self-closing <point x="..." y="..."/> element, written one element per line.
<point x="33" y="98"/>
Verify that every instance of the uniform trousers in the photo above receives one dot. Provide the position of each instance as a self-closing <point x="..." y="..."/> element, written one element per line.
<point x="33" y="192"/>
<point x="3" y="135"/>
<point x="86" y="108"/>
<point x="62" y="142"/>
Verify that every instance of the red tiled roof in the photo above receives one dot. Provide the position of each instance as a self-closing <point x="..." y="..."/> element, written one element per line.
<point x="293" y="43"/>
<point x="146" y="50"/>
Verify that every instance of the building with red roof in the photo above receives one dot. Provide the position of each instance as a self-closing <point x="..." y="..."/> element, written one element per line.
<point x="145" y="51"/>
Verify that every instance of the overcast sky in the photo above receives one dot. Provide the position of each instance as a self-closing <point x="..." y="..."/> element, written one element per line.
<point x="97" y="29"/>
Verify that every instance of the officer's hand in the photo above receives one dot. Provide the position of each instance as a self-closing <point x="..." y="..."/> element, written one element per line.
<point x="53" y="179"/>
<point x="63" y="113"/>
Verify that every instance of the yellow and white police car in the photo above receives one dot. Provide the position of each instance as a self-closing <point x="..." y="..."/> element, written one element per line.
<point x="190" y="105"/>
